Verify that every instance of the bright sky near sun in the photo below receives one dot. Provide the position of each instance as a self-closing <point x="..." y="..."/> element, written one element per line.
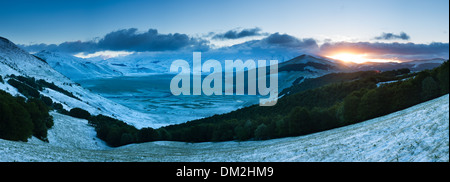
<point x="48" y="22"/>
<point x="52" y="21"/>
<point x="358" y="58"/>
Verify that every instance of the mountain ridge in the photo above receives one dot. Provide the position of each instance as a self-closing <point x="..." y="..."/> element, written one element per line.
<point x="77" y="68"/>
<point x="14" y="60"/>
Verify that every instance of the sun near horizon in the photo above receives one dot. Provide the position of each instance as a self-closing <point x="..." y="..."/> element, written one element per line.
<point x="357" y="58"/>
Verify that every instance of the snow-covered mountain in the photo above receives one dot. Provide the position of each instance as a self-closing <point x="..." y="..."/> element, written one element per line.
<point x="139" y="64"/>
<point x="314" y="64"/>
<point x="416" y="65"/>
<point x="295" y="70"/>
<point x="159" y="62"/>
<point x="77" y="68"/>
<point x="14" y="60"/>
<point x="145" y="63"/>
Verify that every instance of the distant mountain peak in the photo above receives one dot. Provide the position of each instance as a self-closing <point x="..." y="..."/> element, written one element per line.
<point x="303" y="56"/>
<point x="77" y="68"/>
<point x="22" y="62"/>
<point x="3" y="39"/>
<point x="7" y="44"/>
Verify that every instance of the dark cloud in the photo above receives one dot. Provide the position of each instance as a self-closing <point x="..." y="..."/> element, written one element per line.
<point x="391" y="36"/>
<point x="78" y="46"/>
<point x="275" y="44"/>
<point x="286" y="40"/>
<point x="405" y="51"/>
<point x="128" y="40"/>
<point x="71" y="47"/>
<point x="39" y="47"/>
<point x="234" y="34"/>
<point x="152" y="40"/>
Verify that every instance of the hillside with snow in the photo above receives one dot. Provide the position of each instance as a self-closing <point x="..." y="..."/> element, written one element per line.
<point x="14" y="60"/>
<point x="77" y="68"/>
<point x="418" y="133"/>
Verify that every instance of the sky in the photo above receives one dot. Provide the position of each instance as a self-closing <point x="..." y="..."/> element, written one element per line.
<point x="138" y="25"/>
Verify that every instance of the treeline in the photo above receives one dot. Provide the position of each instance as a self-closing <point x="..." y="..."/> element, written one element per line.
<point x="348" y="99"/>
<point x="116" y="132"/>
<point x="318" y="109"/>
<point x="30" y="87"/>
<point x="370" y="103"/>
<point x="20" y="119"/>
<point x="311" y="83"/>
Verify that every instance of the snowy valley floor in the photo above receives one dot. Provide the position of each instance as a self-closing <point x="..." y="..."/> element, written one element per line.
<point x="419" y="133"/>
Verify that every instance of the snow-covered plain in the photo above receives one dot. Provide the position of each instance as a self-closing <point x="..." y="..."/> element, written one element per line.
<point x="151" y="94"/>
<point x="419" y="133"/>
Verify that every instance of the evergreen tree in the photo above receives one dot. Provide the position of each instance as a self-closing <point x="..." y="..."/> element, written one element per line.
<point x="262" y="132"/>
<point x="443" y="77"/>
<point x="42" y="121"/>
<point x="15" y="121"/>
<point x="79" y="113"/>
<point x="430" y="88"/>
<point x="299" y="121"/>
<point x="147" y="135"/>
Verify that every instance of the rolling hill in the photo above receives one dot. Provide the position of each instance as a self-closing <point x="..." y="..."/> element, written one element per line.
<point x="416" y="134"/>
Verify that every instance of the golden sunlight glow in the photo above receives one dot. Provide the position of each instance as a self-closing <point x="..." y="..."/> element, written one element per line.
<point x="358" y="58"/>
<point x="104" y="54"/>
